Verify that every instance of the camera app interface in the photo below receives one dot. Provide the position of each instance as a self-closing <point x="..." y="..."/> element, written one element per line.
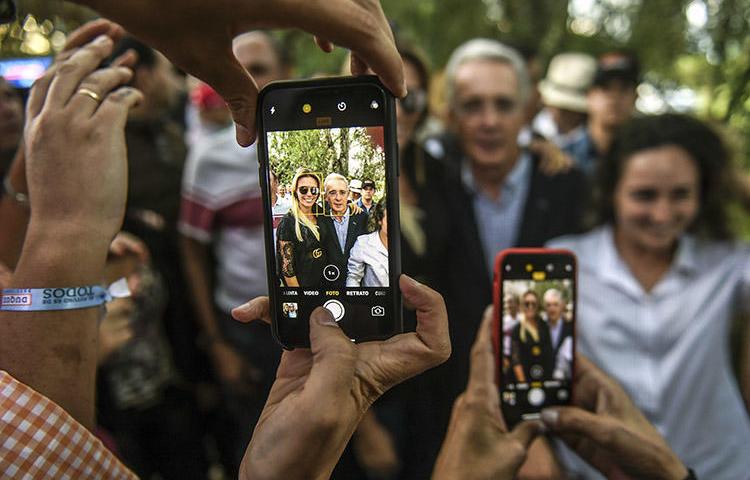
<point x="330" y="225"/>
<point x="537" y="338"/>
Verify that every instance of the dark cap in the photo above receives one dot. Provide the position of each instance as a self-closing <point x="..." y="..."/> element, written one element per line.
<point x="620" y="65"/>
<point x="368" y="183"/>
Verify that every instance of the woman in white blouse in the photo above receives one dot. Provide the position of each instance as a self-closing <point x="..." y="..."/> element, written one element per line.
<point x="368" y="260"/>
<point x="660" y="280"/>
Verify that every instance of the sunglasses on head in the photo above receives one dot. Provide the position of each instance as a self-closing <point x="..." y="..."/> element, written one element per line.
<point x="312" y="190"/>
<point x="414" y="101"/>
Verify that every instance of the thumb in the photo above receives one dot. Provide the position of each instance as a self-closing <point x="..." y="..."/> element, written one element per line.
<point x="334" y="354"/>
<point x="603" y="431"/>
<point x="526" y="432"/>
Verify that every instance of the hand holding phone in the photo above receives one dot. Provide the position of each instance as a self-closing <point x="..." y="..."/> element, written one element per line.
<point x="534" y="333"/>
<point x="320" y="394"/>
<point x="327" y="152"/>
<point x="477" y="435"/>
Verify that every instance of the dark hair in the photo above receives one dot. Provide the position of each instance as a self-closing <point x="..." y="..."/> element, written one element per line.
<point x="531" y="292"/>
<point x="376" y="216"/>
<point x="413" y="55"/>
<point x="704" y="146"/>
<point x="146" y="55"/>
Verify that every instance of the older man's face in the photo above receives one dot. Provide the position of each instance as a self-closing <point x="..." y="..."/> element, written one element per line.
<point x="337" y="195"/>
<point x="487" y="113"/>
<point x="554" y="307"/>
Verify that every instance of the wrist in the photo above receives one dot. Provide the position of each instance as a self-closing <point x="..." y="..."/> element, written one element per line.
<point x="60" y="258"/>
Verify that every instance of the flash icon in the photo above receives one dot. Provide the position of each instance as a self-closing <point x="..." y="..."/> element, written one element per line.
<point x="273" y="110"/>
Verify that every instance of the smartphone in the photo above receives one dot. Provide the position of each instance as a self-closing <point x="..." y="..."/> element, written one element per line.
<point x="534" y="298"/>
<point x="328" y="168"/>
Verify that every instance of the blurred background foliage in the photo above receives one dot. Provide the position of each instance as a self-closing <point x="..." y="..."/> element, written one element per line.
<point x="695" y="53"/>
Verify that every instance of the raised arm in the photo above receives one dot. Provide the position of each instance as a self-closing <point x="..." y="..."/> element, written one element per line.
<point x="75" y="145"/>
<point x="198" y="39"/>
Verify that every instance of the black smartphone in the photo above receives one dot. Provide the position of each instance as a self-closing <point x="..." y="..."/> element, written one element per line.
<point x="534" y="330"/>
<point x="328" y="158"/>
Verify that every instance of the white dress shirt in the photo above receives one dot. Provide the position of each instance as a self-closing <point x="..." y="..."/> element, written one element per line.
<point x="669" y="347"/>
<point x="368" y="262"/>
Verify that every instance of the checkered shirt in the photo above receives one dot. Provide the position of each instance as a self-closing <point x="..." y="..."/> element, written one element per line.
<point x="38" y="439"/>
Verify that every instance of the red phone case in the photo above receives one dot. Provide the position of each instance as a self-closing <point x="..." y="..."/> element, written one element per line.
<point x="497" y="301"/>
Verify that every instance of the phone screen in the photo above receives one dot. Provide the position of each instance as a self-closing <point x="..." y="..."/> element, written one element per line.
<point x="330" y="199"/>
<point x="536" y="337"/>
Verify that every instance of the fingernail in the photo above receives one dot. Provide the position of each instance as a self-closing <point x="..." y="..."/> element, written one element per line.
<point x="542" y="427"/>
<point x="323" y="317"/>
<point x="244" y="136"/>
<point x="413" y="282"/>
<point x="550" y="417"/>
<point x="102" y="39"/>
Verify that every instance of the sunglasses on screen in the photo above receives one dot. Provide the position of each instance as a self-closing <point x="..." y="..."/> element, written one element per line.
<point x="312" y="190"/>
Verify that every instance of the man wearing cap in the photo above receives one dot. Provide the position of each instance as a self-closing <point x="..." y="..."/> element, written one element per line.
<point x="611" y="103"/>
<point x="368" y="192"/>
<point x="564" y="92"/>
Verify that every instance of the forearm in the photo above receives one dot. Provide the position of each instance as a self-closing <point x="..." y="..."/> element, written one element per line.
<point x="138" y="16"/>
<point x="63" y="365"/>
<point x="318" y="444"/>
<point x="195" y="261"/>
<point x="518" y="370"/>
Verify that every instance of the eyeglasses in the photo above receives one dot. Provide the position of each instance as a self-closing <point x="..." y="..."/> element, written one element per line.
<point x="414" y="101"/>
<point x="336" y="192"/>
<point x="530" y="304"/>
<point x="312" y="190"/>
<point x="474" y="106"/>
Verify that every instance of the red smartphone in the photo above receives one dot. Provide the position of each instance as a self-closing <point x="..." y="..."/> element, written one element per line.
<point x="534" y="298"/>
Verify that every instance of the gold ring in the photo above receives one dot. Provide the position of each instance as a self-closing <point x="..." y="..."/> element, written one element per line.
<point x="90" y="93"/>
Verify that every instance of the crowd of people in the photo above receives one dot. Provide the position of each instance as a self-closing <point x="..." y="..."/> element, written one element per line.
<point x="125" y="169"/>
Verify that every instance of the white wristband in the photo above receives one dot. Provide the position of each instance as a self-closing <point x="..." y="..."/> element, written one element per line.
<point x="48" y="299"/>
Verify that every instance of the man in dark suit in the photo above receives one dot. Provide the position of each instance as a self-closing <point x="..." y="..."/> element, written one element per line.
<point x="561" y="333"/>
<point x="496" y="197"/>
<point x="343" y="226"/>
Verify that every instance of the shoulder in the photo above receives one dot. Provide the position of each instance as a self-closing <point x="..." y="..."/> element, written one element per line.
<point x="570" y="179"/>
<point x="221" y="151"/>
<point x="286" y="223"/>
<point x="358" y="218"/>
<point x="580" y="242"/>
<point x="709" y="254"/>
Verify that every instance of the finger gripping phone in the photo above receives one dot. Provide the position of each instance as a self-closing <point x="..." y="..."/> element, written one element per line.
<point x="534" y="336"/>
<point x="327" y="151"/>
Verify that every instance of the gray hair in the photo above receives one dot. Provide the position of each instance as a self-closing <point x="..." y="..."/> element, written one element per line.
<point x="552" y="292"/>
<point x="335" y="176"/>
<point x="486" y="49"/>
